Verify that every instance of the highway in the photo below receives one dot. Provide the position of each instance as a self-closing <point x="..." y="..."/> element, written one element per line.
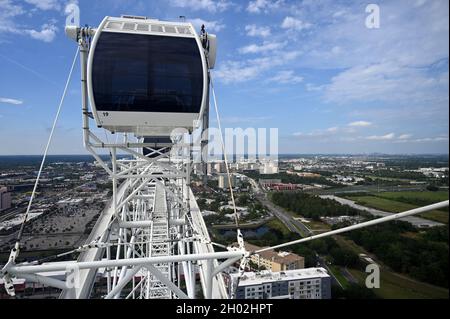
<point x="293" y="225"/>
<point x="285" y="217"/>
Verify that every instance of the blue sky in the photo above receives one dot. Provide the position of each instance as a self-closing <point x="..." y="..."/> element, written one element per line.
<point x="310" y="68"/>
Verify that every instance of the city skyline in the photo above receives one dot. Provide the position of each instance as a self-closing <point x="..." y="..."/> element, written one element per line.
<point x="314" y="70"/>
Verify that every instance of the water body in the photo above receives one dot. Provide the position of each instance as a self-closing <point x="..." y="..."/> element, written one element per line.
<point x="248" y="233"/>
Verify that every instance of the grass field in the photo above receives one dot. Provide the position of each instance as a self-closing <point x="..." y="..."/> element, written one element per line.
<point x="349" y="244"/>
<point x="318" y="226"/>
<point x="338" y="275"/>
<point x="395" y="286"/>
<point x="430" y="197"/>
<point x="383" y="201"/>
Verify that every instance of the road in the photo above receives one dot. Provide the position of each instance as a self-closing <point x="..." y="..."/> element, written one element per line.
<point x="282" y="216"/>
<point x="285" y="217"/>
<point x="415" y="221"/>
<point x="322" y="263"/>
<point x="12" y="213"/>
<point x="350" y="278"/>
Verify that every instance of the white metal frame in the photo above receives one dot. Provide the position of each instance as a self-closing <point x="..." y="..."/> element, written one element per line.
<point x="151" y="236"/>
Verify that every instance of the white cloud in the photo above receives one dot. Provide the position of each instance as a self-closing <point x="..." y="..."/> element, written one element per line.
<point x="333" y="129"/>
<point x="406" y="138"/>
<point x="257" y="31"/>
<point x="286" y="77"/>
<point x="336" y="50"/>
<point x="8" y="11"/>
<point x="47" y="33"/>
<point x="325" y="135"/>
<point x="10" y="101"/>
<point x="385" y="81"/>
<point x="265" y="47"/>
<point x="343" y="133"/>
<point x="295" y="24"/>
<point x="431" y="139"/>
<point x="211" y="26"/>
<point x="208" y="5"/>
<point x="394" y="41"/>
<point x="360" y="124"/>
<point x="45" y="4"/>
<point x="314" y="88"/>
<point x="258" y="6"/>
<point x="250" y="69"/>
<point x="338" y="135"/>
<point x="386" y="137"/>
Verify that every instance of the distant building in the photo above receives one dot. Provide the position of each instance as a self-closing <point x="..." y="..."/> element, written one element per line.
<point x="276" y="184"/>
<point x="198" y="168"/>
<point x="70" y="202"/>
<point x="269" y="182"/>
<point x="5" y="198"/>
<point x="276" y="261"/>
<point x="224" y="183"/>
<point x="209" y="168"/>
<point x="220" y="168"/>
<point x="285" y="187"/>
<point x="308" y="283"/>
<point x="270" y="167"/>
<point x="242" y="166"/>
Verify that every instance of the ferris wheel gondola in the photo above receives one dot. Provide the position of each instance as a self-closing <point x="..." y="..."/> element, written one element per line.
<point x="147" y="76"/>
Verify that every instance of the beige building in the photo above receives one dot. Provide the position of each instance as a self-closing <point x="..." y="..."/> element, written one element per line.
<point x="276" y="261"/>
<point x="223" y="181"/>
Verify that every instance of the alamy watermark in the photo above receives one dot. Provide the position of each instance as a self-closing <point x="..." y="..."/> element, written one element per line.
<point x="373" y="277"/>
<point x="253" y="144"/>
<point x="73" y="280"/>
<point x="373" y="19"/>
<point x="72" y="12"/>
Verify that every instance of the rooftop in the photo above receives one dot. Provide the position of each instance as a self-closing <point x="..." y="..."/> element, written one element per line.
<point x="282" y="257"/>
<point x="266" y="276"/>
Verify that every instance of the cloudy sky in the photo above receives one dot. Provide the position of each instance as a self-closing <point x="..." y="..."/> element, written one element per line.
<point x="310" y="68"/>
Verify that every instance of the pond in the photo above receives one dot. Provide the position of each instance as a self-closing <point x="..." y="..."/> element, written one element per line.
<point x="247" y="233"/>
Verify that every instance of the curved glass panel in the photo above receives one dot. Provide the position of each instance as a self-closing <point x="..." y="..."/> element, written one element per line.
<point x="147" y="73"/>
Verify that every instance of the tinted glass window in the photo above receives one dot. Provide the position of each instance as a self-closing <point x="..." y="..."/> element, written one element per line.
<point x="142" y="73"/>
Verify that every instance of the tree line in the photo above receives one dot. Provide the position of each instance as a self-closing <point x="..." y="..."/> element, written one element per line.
<point x="311" y="206"/>
<point x="423" y="256"/>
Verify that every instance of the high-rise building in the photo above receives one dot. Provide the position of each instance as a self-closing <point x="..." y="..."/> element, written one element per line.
<point x="210" y="168"/>
<point x="308" y="283"/>
<point x="223" y="181"/>
<point x="220" y="167"/>
<point x="269" y="167"/>
<point x="5" y="198"/>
